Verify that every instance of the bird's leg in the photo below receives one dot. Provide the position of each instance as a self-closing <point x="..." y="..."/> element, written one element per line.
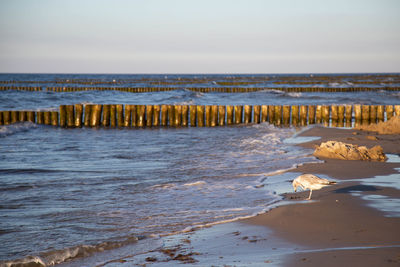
<point x="309" y="197"/>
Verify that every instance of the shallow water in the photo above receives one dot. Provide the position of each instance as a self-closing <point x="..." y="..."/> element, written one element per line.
<point x="85" y="186"/>
<point x="66" y="193"/>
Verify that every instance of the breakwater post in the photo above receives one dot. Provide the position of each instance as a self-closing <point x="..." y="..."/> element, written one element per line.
<point x="91" y="115"/>
<point x="70" y="116"/>
<point x="295" y="115"/>
<point x="311" y="114"/>
<point x="286" y="115"/>
<point x="389" y="112"/>
<point x="192" y="115"/>
<point x="221" y="113"/>
<point x="229" y="115"/>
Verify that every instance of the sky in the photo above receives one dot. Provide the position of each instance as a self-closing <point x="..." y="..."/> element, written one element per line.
<point x="199" y="36"/>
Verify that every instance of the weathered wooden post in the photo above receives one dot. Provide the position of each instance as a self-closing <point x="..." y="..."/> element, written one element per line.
<point x="127" y="116"/>
<point x="303" y="115"/>
<point x="149" y="115"/>
<point x="120" y="115"/>
<point x="221" y="114"/>
<point x="389" y="112"/>
<point x="208" y="116"/>
<point x="247" y="114"/>
<point x="373" y="114"/>
<point x="271" y="114"/>
<point x="229" y="115"/>
<point x="164" y="115"/>
<point x="335" y="115"/>
<point x="341" y="116"/>
<point x="40" y="117"/>
<point x="113" y="116"/>
<point x="22" y="116"/>
<point x="54" y="118"/>
<point x="380" y="113"/>
<point x="185" y="115"/>
<point x="214" y="115"/>
<point x="88" y="111"/>
<point x="6" y="117"/>
<point x="349" y="115"/>
<point x="357" y="115"/>
<point x="171" y="115"/>
<point x="78" y="115"/>
<point x="156" y="115"/>
<point x="264" y="113"/>
<point x="278" y="115"/>
<point x="295" y="115"/>
<point x="238" y="114"/>
<point x="325" y="115"/>
<point x="311" y="114"/>
<point x="14" y="116"/>
<point x="1" y="116"/>
<point x="95" y="116"/>
<point x="140" y="115"/>
<point x="397" y="110"/>
<point x="318" y="114"/>
<point x="132" y="110"/>
<point x="192" y="111"/>
<point x="256" y="116"/>
<point x="31" y="116"/>
<point x="178" y="115"/>
<point x="286" y="115"/>
<point x="47" y="117"/>
<point x="200" y="116"/>
<point x="365" y="114"/>
<point x="70" y="115"/>
<point x="106" y="116"/>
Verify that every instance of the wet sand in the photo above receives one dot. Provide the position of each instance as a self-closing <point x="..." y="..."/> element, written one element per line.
<point x="338" y="227"/>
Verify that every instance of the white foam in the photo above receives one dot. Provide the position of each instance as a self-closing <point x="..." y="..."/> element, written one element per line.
<point x="163" y="186"/>
<point x="30" y="260"/>
<point x="198" y="183"/>
<point x="6" y="130"/>
<point x="268" y="205"/>
<point x="185" y="103"/>
<point x="296" y="95"/>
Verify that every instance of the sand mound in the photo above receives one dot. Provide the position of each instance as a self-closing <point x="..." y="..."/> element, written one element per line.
<point x="391" y="126"/>
<point x="339" y="150"/>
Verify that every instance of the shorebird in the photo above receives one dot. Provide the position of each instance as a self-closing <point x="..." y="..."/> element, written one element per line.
<point x="310" y="181"/>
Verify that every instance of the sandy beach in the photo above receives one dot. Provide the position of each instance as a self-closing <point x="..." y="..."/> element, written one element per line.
<point x="336" y="218"/>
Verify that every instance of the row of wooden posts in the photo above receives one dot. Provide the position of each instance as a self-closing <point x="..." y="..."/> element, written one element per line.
<point x="91" y="115"/>
<point x="199" y="89"/>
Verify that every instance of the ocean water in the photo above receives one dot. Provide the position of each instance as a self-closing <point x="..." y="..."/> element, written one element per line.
<point x="69" y="193"/>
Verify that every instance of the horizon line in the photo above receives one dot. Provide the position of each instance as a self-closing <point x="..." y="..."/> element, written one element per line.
<point x="198" y="73"/>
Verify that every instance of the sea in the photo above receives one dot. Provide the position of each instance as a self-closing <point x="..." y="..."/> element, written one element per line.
<point x="67" y="194"/>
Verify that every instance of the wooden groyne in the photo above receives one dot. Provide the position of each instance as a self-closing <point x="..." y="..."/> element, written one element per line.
<point x="199" y="89"/>
<point x="111" y="116"/>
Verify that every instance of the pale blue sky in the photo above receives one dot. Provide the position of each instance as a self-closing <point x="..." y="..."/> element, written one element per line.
<point x="207" y="36"/>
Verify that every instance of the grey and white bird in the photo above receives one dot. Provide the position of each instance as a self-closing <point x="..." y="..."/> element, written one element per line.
<point x="310" y="181"/>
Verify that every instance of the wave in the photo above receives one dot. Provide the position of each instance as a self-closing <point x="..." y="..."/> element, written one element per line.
<point x="198" y="183"/>
<point x="295" y="95"/>
<point x="183" y="103"/>
<point x="7" y="130"/>
<point x="269" y="205"/>
<point x="273" y="91"/>
<point x="60" y="256"/>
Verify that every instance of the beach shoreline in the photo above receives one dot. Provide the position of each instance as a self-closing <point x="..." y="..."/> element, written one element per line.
<point x="338" y="227"/>
<point x="339" y="223"/>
